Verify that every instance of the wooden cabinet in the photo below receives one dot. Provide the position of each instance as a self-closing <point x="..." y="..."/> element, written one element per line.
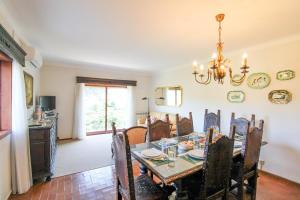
<point x="43" y="148"/>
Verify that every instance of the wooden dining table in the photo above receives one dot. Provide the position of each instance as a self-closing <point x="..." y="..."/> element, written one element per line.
<point x="183" y="165"/>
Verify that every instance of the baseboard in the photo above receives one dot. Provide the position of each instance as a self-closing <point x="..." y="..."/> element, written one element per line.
<point x="279" y="177"/>
<point x="7" y="197"/>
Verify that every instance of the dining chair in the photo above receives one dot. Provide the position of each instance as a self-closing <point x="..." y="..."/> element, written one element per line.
<point x="128" y="187"/>
<point x="213" y="181"/>
<point x="242" y="124"/>
<point x="158" y="129"/>
<point x="246" y="168"/>
<point x="184" y="126"/>
<point x="212" y="120"/>
<point x="136" y="135"/>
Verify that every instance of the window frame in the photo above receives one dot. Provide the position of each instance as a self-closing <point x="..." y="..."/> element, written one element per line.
<point x="5" y="95"/>
<point x="106" y="86"/>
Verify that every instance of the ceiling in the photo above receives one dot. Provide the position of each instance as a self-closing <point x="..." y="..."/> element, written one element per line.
<point x="147" y="34"/>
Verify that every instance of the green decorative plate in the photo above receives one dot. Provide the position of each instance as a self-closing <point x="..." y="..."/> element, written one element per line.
<point x="259" y="80"/>
<point x="280" y="96"/>
<point x="285" y="75"/>
<point x="236" y="96"/>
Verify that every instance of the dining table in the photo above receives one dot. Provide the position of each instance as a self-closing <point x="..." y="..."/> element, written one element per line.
<point x="184" y="165"/>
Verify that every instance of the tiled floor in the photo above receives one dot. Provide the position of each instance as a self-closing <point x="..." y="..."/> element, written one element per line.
<point x="99" y="184"/>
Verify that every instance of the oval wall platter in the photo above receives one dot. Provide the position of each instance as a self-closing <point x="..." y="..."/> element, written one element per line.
<point x="285" y="75"/>
<point x="259" y="80"/>
<point x="236" y="96"/>
<point x="280" y="96"/>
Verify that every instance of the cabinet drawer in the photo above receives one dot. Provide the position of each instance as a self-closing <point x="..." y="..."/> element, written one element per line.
<point x="39" y="134"/>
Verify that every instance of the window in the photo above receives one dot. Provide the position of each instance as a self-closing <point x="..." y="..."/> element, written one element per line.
<point x="5" y="94"/>
<point x="104" y="105"/>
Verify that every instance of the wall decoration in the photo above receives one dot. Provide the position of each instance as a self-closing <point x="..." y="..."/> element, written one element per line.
<point x="236" y="96"/>
<point x="285" y="75"/>
<point x="28" y="89"/>
<point x="236" y="77"/>
<point x="259" y="80"/>
<point x="280" y="96"/>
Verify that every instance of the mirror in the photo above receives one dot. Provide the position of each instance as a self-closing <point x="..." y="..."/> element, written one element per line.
<point x="168" y="96"/>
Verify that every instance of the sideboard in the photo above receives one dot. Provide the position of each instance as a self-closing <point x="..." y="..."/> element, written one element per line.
<point x="42" y="138"/>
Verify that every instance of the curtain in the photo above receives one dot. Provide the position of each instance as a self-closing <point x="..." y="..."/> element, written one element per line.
<point x="79" y="129"/>
<point x="20" y="153"/>
<point x="131" y="116"/>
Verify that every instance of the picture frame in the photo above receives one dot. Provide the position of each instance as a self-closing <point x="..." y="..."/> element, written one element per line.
<point x="236" y="96"/>
<point x="285" y="75"/>
<point x="28" y="80"/>
<point x="280" y="96"/>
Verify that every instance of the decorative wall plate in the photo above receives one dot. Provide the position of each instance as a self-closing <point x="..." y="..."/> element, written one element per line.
<point x="285" y="75"/>
<point x="280" y="96"/>
<point x="259" y="80"/>
<point x="235" y="77"/>
<point x="236" y="96"/>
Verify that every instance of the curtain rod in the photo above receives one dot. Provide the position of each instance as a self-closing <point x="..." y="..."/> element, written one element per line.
<point x="80" y="79"/>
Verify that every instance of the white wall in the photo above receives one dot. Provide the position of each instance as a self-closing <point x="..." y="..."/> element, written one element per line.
<point x="282" y="131"/>
<point x="5" y="171"/>
<point x="60" y="81"/>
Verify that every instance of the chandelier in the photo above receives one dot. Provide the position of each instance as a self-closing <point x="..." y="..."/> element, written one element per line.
<point x="218" y="65"/>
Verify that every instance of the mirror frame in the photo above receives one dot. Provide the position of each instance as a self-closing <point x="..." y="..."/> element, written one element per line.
<point x="179" y="86"/>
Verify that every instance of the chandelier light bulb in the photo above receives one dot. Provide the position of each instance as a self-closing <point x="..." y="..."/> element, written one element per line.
<point x="201" y="67"/>
<point x="245" y="56"/>
<point x="195" y="63"/>
<point x="214" y="56"/>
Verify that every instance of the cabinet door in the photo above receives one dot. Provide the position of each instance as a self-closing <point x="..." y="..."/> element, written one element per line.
<point x="40" y="157"/>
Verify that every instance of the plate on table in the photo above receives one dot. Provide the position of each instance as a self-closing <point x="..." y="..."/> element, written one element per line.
<point x="186" y="145"/>
<point x="238" y="144"/>
<point x="197" y="154"/>
<point x="202" y="135"/>
<point x="169" y="141"/>
<point x="151" y="153"/>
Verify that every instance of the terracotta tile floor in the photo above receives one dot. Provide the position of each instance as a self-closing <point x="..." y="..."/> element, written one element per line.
<point x="99" y="184"/>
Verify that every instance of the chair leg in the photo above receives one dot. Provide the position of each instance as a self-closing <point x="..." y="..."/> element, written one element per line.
<point x="240" y="194"/>
<point x="253" y="183"/>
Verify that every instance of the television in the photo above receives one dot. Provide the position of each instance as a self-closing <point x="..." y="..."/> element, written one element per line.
<point x="47" y="103"/>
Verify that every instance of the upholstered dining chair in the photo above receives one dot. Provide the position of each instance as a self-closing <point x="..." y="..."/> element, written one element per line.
<point x="246" y="168"/>
<point x="242" y="124"/>
<point x="136" y="134"/>
<point x="158" y="129"/>
<point x="184" y="126"/>
<point x="212" y="120"/>
<point x="212" y="183"/>
<point x="128" y="188"/>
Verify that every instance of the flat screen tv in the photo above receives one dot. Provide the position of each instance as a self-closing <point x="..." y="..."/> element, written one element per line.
<point x="47" y="103"/>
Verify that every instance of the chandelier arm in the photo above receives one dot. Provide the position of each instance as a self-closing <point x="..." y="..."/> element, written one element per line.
<point x="240" y="80"/>
<point x="207" y="81"/>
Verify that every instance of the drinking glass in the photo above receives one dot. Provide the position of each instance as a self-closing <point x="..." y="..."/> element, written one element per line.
<point x="172" y="153"/>
<point x="164" y="146"/>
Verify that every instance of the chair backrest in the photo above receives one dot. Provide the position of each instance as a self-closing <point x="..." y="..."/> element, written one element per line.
<point x="184" y="125"/>
<point x="217" y="163"/>
<point x="241" y="124"/>
<point x="159" y="129"/>
<point x="136" y="134"/>
<point x="251" y="146"/>
<point x="123" y="165"/>
<point x="212" y="119"/>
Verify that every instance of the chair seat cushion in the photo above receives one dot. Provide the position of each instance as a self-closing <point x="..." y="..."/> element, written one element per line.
<point x="146" y="189"/>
